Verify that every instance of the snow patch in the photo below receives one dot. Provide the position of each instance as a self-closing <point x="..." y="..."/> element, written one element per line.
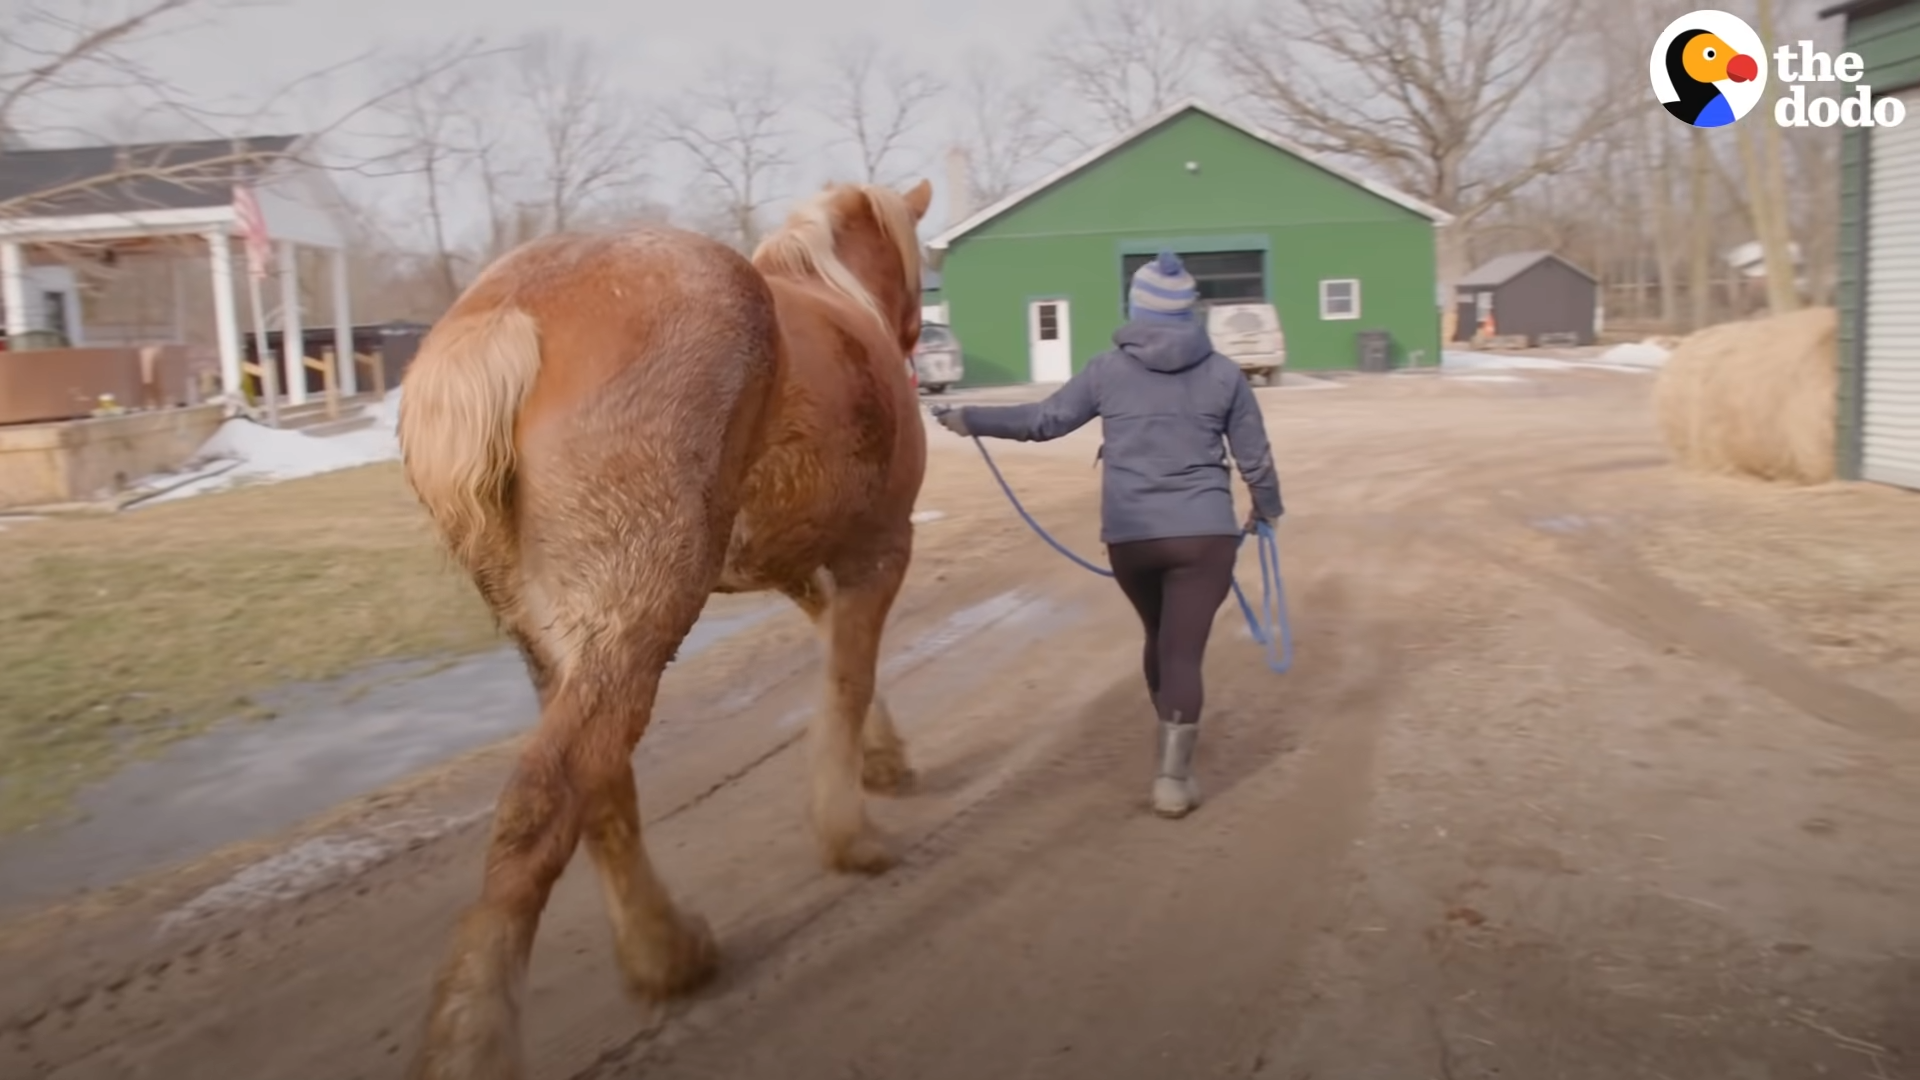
<point x="1293" y="380"/>
<point x="1464" y="360"/>
<point x="1563" y="523"/>
<point x="309" y="866"/>
<point x="269" y="455"/>
<point x="1478" y="361"/>
<point x="1639" y="354"/>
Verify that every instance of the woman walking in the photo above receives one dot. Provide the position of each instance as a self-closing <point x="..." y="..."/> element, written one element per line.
<point x="1166" y="401"/>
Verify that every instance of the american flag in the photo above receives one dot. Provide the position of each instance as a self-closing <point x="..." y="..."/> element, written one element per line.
<point x="253" y="227"/>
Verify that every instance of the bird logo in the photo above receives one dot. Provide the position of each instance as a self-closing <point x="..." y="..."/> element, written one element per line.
<point x="1708" y="68"/>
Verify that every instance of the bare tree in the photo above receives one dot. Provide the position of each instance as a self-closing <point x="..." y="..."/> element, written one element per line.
<point x="588" y="142"/>
<point x="732" y="128"/>
<point x="1426" y="91"/>
<point x="1665" y="224"/>
<point x="1700" y="228"/>
<point x="1005" y="129"/>
<point x="1815" y="159"/>
<point x="491" y="141"/>
<point x="56" y="55"/>
<point x="1126" y="60"/>
<point x="1764" y="162"/>
<point x="52" y="51"/>
<point x="434" y="121"/>
<point x="525" y="140"/>
<point x="876" y="106"/>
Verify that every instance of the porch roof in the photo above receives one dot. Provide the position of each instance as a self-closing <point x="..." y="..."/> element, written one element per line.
<point x="107" y="193"/>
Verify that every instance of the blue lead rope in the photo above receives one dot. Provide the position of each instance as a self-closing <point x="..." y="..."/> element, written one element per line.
<point x="1268" y="626"/>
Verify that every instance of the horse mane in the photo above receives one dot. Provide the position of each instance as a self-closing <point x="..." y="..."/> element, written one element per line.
<point x="804" y="245"/>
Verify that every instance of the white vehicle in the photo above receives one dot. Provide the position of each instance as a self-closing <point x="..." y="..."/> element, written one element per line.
<point x="1249" y="335"/>
<point x="937" y="358"/>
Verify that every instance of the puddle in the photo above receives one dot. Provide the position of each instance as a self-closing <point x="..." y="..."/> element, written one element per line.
<point x="329" y="743"/>
<point x="1566" y="524"/>
<point x="313" y="863"/>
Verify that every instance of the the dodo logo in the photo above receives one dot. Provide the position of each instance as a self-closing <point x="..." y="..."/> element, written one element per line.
<point x="1708" y="68"/>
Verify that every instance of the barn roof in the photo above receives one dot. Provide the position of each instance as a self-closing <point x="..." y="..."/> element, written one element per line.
<point x="986" y="214"/>
<point x="1501" y="269"/>
<point x="125" y="179"/>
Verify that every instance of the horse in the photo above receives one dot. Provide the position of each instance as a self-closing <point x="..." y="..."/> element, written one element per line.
<point x="605" y="431"/>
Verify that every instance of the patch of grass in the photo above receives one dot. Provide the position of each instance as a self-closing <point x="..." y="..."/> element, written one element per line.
<point x="120" y="634"/>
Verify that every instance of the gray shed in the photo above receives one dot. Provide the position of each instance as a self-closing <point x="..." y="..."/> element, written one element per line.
<point x="1533" y="294"/>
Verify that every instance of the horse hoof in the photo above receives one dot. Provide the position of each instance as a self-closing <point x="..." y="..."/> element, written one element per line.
<point x="1174" y="798"/>
<point x="866" y="853"/>
<point x="886" y="773"/>
<point x="473" y="1024"/>
<point x="494" y="1056"/>
<point x="688" y="958"/>
<point x="483" y="1065"/>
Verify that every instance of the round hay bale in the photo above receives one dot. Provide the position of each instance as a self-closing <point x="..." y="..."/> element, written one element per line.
<point x="1754" y="398"/>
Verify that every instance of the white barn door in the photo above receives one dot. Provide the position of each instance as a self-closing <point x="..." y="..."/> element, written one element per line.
<point x="1050" y="341"/>
<point x="1890" y="387"/>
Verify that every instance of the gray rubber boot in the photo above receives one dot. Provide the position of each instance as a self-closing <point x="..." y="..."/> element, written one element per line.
<point x="1174" y="792"/>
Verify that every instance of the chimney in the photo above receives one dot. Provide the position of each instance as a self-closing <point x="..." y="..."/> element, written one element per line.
<point x="959" y="190"/>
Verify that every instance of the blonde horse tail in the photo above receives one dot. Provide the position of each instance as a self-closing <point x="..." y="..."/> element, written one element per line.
<point x="462" y="396"/>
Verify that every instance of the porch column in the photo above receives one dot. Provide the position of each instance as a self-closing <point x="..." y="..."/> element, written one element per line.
<point x="349" y="369"/>
<point x="226" y="319"/>
<point x="13" y="290"/>
<point x="293" y="346"/>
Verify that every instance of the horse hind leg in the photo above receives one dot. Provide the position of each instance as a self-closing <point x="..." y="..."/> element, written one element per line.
<point x="599" y="646"/>
<point x="473" y="1024"/>
<point x="662" y="950"/>
<point x="491" y="559"/>
<point x="884" y="768"/>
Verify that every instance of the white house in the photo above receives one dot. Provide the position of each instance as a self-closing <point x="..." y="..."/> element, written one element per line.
<point x="50" y="301"/>
<point x="106" y="194"/>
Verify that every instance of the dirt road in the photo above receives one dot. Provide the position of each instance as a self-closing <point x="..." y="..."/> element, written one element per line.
<point x="1563" y="784"/>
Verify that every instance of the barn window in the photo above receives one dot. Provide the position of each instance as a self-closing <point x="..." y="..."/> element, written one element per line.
<point x="1225" y="277"/>
<point x="1340" y="298"/>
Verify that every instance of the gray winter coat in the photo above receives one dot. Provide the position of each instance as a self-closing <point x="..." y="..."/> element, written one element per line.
<point x="1165" y="400"/>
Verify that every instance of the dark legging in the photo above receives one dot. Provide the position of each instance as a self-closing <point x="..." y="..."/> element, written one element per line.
<point x="1177" y="586"/>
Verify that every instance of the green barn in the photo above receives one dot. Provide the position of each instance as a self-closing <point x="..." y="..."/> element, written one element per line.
<point x="1035" y="284"/>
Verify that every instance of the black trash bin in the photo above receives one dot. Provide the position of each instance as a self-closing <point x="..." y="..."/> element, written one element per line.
<point x="1376" y="350"/>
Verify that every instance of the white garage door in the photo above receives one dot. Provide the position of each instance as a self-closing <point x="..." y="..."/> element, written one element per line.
<point x="1890" y="429"/>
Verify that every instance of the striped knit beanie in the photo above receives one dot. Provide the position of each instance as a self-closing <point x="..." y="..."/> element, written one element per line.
<point x="1162" y="289"/>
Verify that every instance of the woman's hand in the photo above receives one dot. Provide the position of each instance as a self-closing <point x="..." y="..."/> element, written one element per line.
<point x="952" y="419"/>
<point x="1254" y="521"/>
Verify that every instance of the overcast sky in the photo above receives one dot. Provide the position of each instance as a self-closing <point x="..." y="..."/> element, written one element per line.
<point x="653" y="48"/>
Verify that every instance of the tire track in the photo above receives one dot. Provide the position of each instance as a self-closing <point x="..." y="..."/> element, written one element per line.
<point x="1605" y="577"/>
